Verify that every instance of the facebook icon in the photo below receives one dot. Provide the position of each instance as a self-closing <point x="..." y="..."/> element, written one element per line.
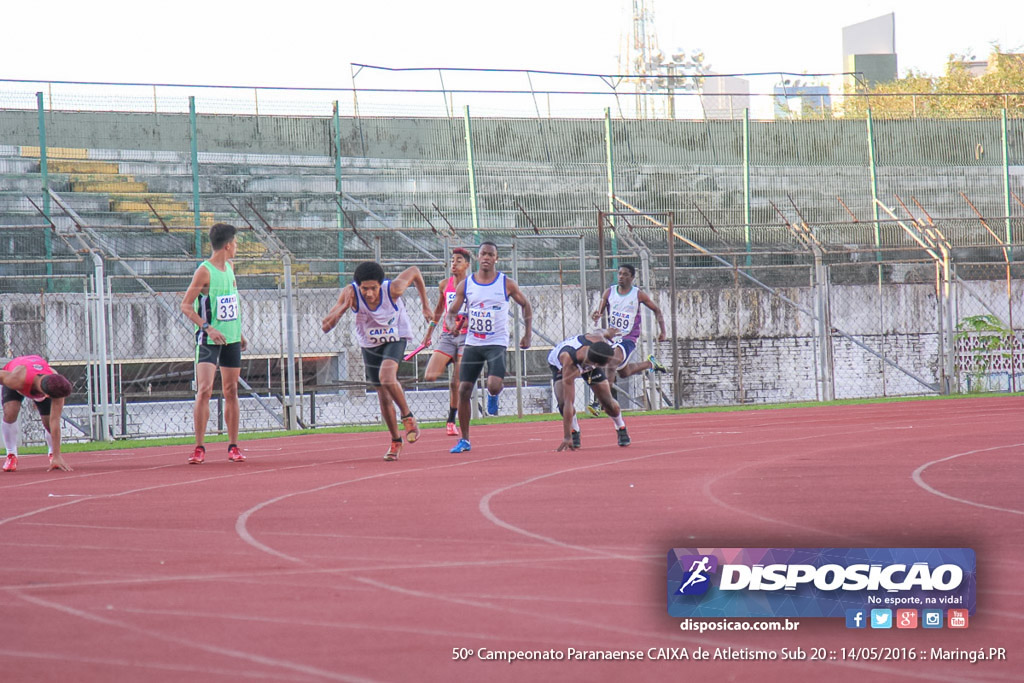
<point x="856" y="618"/>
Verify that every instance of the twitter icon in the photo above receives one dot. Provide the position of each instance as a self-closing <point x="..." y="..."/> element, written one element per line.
<point x="881" y="618"/>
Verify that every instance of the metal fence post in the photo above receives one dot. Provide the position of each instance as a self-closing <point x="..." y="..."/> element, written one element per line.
<point x="45" y="178"/>
<point x="584" y="299"/>
<point x="472" y="176"/>
<point x="518" y="364"/>
<point x="1006" y="192"/>
<point x="609" y="151"/>
<point x="194" y="144"/>
<point x="676" y="373"/>
<point x="872" y="161"/>
<point x="336" y="123"/>
<point x="100" y="337"/>
<point x="649" y="329"/>
<point x="821" y="295"/>
<point x="746" y="185"/>
<point x="290" y="415"/>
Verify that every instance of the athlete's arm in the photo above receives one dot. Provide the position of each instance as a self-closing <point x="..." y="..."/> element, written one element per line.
<point x="346" y="300"/>
<point x="460" y="298"/>
<point x="438" y="312"/>
<point x="596" y="315"/>
<point x="413" y="276"/>
<point x="14" y="379"/>
<point x="200" y="282"/>
<point x="516" y="295"/>
<point x="56" y="408"/>
<point x="649" y="303"/>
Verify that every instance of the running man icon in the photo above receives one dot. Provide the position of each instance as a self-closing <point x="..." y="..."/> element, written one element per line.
<point x="697" y="571"/>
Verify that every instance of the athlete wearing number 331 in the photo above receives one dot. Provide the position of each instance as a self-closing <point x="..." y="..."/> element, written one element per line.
<point x="211" y="304"/>
<point x="382" y="329"/>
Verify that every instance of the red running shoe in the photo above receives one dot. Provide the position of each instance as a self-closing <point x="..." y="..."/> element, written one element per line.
<point x="198" y="456"/>
<point x="394" y="451"/>
<point x="235" y="455"/>
<point x="452" y="429"/>
<point x="11" y="463"/>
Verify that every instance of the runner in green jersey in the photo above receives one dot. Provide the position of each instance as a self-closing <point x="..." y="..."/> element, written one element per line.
<point x="211" y="303"/>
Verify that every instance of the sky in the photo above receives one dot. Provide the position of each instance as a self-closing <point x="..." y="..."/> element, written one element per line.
<point x="302" y="43"/>
<point x="311" y="44"/>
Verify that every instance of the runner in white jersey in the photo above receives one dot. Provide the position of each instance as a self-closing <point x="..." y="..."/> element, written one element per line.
<point x="586" y="356"/>
<point x="486" y="294"/>
<point x="452" y="341"/>
<point x="382" y="329"/>
<point x="622" y="302"/>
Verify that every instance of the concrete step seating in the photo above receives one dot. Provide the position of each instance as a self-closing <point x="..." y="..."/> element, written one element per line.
<point x="126" y="193"/>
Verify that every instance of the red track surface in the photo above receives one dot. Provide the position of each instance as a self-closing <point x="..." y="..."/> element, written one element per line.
<point x="316" y="560"/>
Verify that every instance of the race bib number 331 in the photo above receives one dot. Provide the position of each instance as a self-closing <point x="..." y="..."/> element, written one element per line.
<point x="227" y="307"/>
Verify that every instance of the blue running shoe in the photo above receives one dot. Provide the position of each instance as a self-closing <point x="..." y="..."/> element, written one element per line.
<point x="461" y="447"/>
<point x="492" y="405"/>
<point x="656" y="365"/>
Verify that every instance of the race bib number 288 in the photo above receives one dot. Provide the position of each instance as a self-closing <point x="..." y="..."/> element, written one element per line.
<point x="481" y="321"/>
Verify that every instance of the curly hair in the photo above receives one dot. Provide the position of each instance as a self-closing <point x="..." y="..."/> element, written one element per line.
<point x="55" y="386"/>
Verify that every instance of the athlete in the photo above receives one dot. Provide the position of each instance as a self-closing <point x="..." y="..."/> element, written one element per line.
<point x="585" y="356"/>
<point x="485" y="294"/>
<point x="382" y="329"/>
<point x="211" y="303"/>
<point x="623" y="301"/>
<point x="32" y="377"/>
<point x="450" y="345"/>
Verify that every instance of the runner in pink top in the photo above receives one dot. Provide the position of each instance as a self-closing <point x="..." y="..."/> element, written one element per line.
<point x="32" y="377"/>
<point x="449" y="347"/>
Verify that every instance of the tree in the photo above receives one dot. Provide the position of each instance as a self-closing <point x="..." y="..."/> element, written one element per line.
<point x="959" y="93"/>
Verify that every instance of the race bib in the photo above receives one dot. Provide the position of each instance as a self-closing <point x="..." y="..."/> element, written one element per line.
<point x="382" y="335"/>
<point x="481" y="321"/>
<point x="227" y="307"/>
<point x="620" y="320"/>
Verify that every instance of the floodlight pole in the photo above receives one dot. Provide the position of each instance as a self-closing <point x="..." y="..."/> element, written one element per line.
<point x="672" y="302"/>
<point x="600" y="251"/>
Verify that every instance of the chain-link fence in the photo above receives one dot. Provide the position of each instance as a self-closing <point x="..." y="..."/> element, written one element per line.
<point x="791" y="326"/>
<point x="792" y="259"/>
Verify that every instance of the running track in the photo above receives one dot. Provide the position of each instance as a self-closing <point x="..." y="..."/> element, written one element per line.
<point x="318" y="561"/>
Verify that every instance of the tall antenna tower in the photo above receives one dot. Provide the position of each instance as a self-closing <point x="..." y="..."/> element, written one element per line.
<point x="653" y="71"/>
<point x="642" y="55"/>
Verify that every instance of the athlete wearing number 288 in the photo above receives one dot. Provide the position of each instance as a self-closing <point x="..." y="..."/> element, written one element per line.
<point x="486" y="294"/>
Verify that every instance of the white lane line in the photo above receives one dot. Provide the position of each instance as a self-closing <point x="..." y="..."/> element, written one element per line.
<point x="919" y="479"/>
<point x="193" y="643"/>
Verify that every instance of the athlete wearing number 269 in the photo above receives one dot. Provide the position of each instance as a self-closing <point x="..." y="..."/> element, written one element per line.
<point x="382" y="329"/>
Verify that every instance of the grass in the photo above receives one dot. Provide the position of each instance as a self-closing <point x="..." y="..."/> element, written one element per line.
<point x="502" y="419"/>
